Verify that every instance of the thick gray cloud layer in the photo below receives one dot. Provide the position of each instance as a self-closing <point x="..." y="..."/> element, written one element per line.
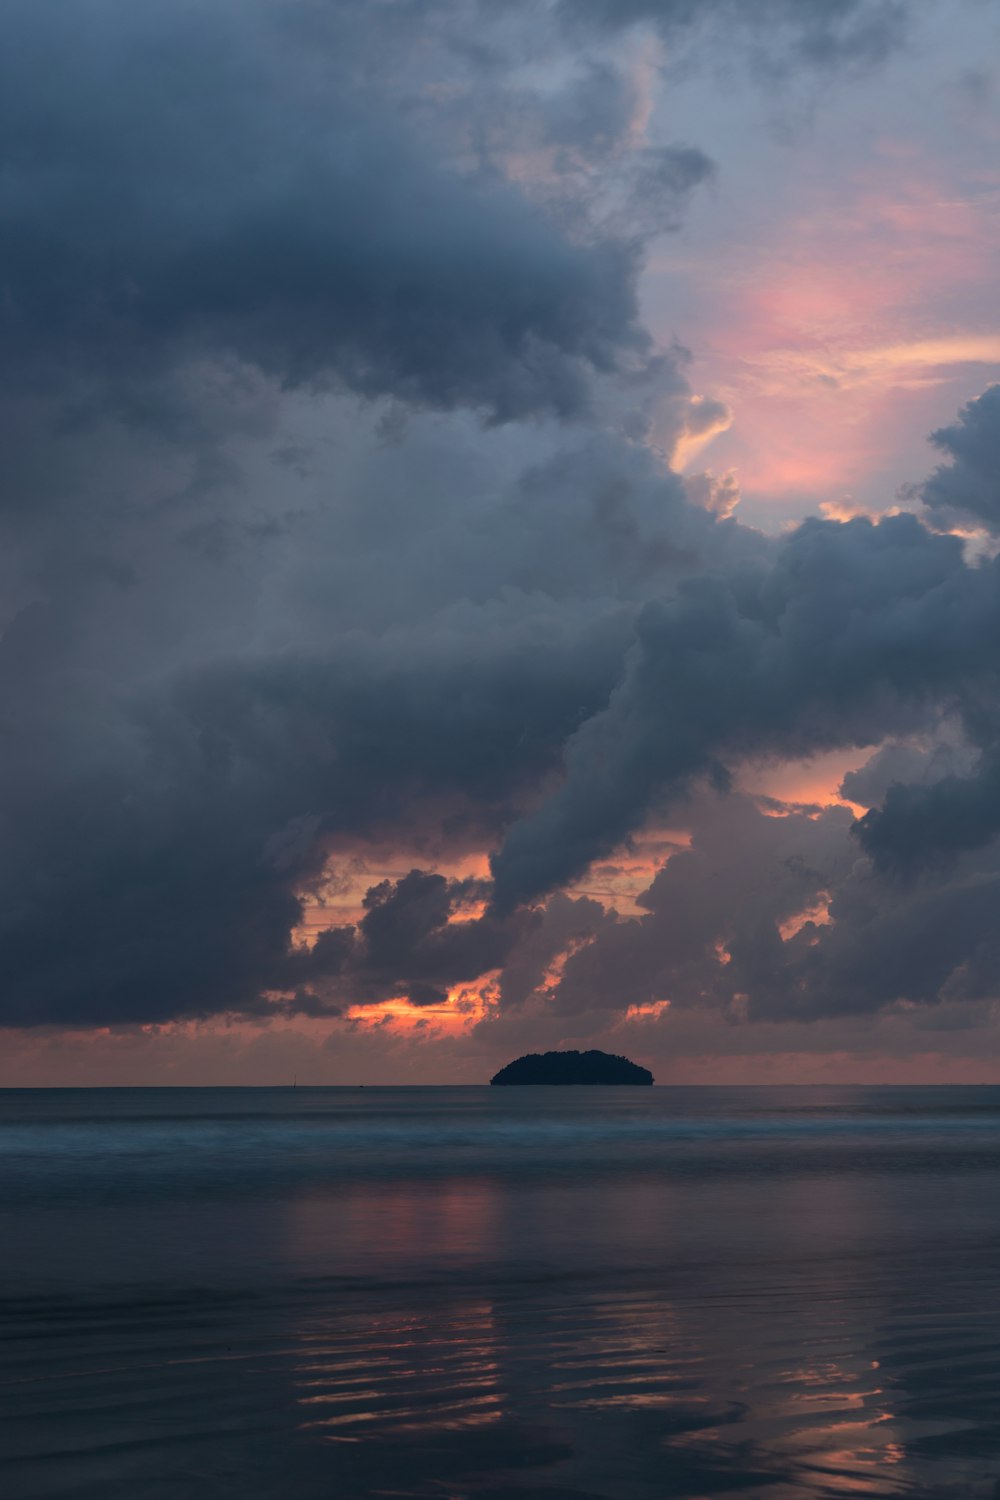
<point x="272" y="590"/>
<point x="846" y="634"/>
<point x="966" y="489"/>
<point x="184" y="177"/>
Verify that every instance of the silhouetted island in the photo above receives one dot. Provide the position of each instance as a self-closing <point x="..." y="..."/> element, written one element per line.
<point x="572" y="1067"/>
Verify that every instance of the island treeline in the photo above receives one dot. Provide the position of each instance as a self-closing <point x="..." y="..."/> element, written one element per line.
<point x="572" y="1067"/>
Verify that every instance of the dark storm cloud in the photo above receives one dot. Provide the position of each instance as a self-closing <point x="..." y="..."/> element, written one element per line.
<point x="156" y="841"/>
<point x="854" y="628"/>
<point x="415" y="941"/>
<point x="710" y="930"/>
<point x="565" y="923"/>
<point x="933" y="945"/>
<point x="771" y="916"/>
<point x="966" y="489"/>
<point x="151" y="858"/>
<point x="183" y="178"/>
<point x="919" y="825"/>
<point x="913" y="762"/>
<point x="214" y="668"/>
<point x="281" y="182"/>
<point x="925" y="943"/>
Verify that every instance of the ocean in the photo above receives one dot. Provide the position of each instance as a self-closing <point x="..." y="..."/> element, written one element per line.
<point x="493" y="1294"/>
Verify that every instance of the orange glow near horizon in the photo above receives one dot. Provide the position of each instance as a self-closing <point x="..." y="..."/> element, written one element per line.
<point x="652" y="1010"/>
<point x="337" y="898"/>
<point x="465" y="1007"/>
<point x="818" y="914"/>
<point x="617" y="884"/>
<point x="813" y="782"/>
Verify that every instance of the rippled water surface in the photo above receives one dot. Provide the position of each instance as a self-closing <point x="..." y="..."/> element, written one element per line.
<point x="500" y="1293"/>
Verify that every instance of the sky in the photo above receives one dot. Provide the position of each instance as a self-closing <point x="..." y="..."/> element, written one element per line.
<point x="499" y="539"/>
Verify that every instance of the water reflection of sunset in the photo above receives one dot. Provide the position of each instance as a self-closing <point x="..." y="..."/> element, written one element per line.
<point x="717" y="1398"/>
<point x="411" y="1372"/>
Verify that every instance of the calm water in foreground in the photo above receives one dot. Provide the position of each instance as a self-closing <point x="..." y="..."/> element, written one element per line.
<point x="551" y="1293"/>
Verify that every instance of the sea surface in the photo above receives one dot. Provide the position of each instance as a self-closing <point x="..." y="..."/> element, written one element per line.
<point x="565" y="1294"/>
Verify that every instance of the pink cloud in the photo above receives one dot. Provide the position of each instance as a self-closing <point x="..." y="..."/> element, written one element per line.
<point x="842" y="327"/>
